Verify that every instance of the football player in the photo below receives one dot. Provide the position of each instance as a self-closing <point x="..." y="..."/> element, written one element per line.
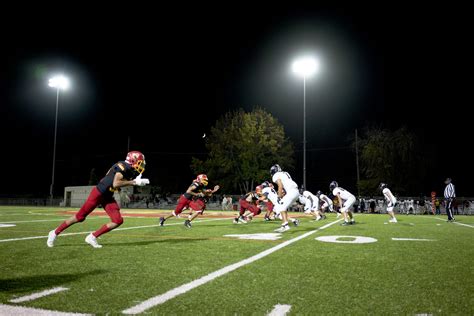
<point x="326" y="202"/>
<point x="391" y="201"/>
<point x="198" y="204"/>
<point x="284" y="182"/>
<point x="195" y="190"/>
<point x="121" y="174"/>
<point x="311" y="204"/>
<point x="248" y="206"/>
<point x="346" y="200"/>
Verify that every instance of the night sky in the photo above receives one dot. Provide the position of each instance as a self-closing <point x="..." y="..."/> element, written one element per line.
<point x="163" y="79"/>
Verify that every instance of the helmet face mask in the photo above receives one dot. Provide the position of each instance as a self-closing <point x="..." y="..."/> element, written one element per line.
<point x="333" y="185"/>
<point x="137" y="160"/>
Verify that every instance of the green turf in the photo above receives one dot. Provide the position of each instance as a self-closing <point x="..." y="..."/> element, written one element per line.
<point x="314" y="277"/>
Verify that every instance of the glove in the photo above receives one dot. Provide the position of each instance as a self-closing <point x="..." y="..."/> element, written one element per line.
<point x="200" y="194"/>
<point x="141" y="182"/>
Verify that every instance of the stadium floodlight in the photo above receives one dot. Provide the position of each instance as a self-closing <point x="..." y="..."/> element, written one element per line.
<point x="305" y="67"/>
<point x="59" y="82"/>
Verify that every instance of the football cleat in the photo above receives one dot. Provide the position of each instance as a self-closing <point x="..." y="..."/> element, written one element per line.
<point x="282" y="229"/>
<point x="296" y="222"/>
<point x="51" y="237"/>
<point x="92" y="240"/>
<point x="162" y="221"/>
<point x="187" y="223"/>
<point x="242" y="220"/>
<point x="345" y="224"/>
<point x="393" y="220"/>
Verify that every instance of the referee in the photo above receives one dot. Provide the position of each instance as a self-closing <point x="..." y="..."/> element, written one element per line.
<point x="449" y="196"/>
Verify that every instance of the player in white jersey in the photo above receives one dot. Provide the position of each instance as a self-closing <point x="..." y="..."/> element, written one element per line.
<point x="311" y="204"/>
<point x="327" y="202"/>
<point x="348" y="198"/>
<point x="391" y="201"/>
<point x="284" y="182"/>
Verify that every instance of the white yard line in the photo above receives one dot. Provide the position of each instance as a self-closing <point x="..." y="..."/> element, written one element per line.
<point x="126" y="228"/>
<point x="280" y="310"/>
<point x="34" y="221"/>
<point x="35" y="296"/>
<point x="413" y="239"/>
<point x="19" y="310"/>
<point x="162" y="298"/>
<point x="444" y="220"/>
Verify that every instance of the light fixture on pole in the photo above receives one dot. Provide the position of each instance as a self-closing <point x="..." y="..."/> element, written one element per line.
<point x="59" y="83"/>
<point x="305" y="67"/>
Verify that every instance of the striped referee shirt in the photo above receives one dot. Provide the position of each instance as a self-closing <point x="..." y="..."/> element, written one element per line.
<point x="449" y="191"/>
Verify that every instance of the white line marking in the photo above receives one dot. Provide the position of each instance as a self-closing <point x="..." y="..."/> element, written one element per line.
<point x="35" y="296"/>
<point x="38" y="220"/>
<point x="414" y="239"/>
<point x="19" y="310"/>
<point x="160" y="299"/>
<point x="280" y="310"/>
<point x="262" y="236"/>
<point x="126" y="228"/>
<point x="440" y="219"/>
<point x="6" y="225"/>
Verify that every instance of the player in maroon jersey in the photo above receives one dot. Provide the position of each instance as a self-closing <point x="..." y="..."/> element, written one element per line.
<point x="195" y="190"/>
<point x="249" y="206"/>
<point x="121" y="174"/>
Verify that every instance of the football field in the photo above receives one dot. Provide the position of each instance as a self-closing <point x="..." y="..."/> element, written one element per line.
<point x="420" y="265"/>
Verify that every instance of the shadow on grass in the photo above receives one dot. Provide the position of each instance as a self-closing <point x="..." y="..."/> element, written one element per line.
<point x="41" y="282"/>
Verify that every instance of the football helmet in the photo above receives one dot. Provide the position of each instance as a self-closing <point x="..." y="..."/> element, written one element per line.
<point x="274" y="169"/>
<point x="137" y="160"/>
<point x="333" y="185"/>
<point x="202" y="178"/>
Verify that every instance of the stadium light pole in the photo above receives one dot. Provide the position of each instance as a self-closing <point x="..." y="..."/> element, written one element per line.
<point x="305" y="67"/>
<point x="59" y="83"/>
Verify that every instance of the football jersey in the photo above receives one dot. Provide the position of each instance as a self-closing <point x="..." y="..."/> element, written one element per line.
<point x="324" y="198"/>
<point x="198" y="188"/>
<point x="105" y="185"/>
<point x="389" y="196"/>
<point x="311" y="198"/>
<point x="251" y="197"/>
<point x="288" y="183"/>
<point x="271" y="195"/>
<point x="345" y="195"/>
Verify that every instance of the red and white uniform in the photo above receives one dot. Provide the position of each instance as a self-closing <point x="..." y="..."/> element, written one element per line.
<point x="186" y="199"/>
<point x="249" y="202"/>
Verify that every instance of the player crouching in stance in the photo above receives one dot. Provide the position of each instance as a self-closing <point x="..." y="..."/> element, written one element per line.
<point x="327" y="204"/>
<point x="248" y="206"/>
<point x="283" y="202"/>
<point x="346" y="200"/>
<point x="391" y="201"/>
<point x="196" y="190"/>
<point x="121" y="174"/>
<point x="311" y="204"/>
